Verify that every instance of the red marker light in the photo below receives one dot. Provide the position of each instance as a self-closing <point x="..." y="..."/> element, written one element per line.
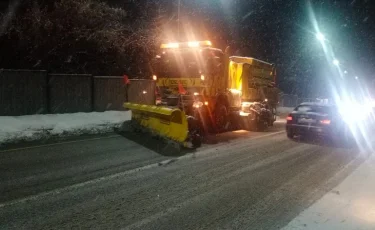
<point x="126" y="80"/>
<point x="289" y="118"/>
<point x="325" y="122"/>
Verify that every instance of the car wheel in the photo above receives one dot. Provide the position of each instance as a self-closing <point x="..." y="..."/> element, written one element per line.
<point x="289" y="134"/>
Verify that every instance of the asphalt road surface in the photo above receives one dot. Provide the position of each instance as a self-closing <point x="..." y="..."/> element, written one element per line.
<point x="242" y="180"/>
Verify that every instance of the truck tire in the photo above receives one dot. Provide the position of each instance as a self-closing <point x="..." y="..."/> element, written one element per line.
<point x="195" y="132"/>
<point x="270" y="123"/>
<point x="221" y="117"/>
<point x="261" y="125"/>
<point x="196" y="141"/>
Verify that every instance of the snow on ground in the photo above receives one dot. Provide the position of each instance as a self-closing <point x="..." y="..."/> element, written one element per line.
<point x="33" y="127"/>
<point x="349" y="206"/>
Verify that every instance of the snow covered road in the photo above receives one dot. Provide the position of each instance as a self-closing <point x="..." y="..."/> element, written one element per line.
<point x="246" y="181"/>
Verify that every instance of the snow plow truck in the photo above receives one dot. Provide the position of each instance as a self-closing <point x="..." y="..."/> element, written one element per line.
<point x="202" y="90"/>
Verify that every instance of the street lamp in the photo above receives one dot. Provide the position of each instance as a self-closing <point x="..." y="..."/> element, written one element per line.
<point x="320" y="36"/>
<point x="356" y="77"/>
<point x="336" y="62"/>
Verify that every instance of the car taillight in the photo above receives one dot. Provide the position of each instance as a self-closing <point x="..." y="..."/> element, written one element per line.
<point x="289" y="118"/>
<point x="325" y="122"/>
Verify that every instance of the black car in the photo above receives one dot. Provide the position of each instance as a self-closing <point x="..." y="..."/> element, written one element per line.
<point x="316" y="119"/>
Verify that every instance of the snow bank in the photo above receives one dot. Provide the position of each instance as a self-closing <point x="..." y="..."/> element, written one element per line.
<point x="349" y="206"/>
<point x="33" y="127"/>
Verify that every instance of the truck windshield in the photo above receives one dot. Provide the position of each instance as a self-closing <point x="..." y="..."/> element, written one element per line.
<point x="188" y="63"/>
<point x="178" y="64"/>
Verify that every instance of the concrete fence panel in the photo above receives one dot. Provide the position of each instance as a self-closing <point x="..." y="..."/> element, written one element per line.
<point x="23" y="92"/>
<point x="142" y="92"/>
<point x="109" y="93"/>
<point x="70" y="93"/>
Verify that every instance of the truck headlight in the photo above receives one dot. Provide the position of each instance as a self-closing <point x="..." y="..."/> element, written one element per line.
<point x="197" y="104"/>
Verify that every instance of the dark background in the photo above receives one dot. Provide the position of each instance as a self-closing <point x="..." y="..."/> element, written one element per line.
<point x="62" y="38"/>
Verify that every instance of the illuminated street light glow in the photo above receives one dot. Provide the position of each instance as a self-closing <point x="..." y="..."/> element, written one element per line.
<point x="345" y="72"/>
<point x="336" y="62"/>
<point x="320" y="37"/>
<point x="356" y="77"/>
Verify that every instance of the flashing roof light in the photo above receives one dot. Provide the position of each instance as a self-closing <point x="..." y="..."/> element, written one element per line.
<point x="170" y="45"/>
<point x="193" y="44"/>
<point x="190" y="44"/>
<point x="208" y="43"/>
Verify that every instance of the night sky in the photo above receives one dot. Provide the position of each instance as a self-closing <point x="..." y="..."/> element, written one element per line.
<point x="283" y="32"/>
<point x="278" y="31"/>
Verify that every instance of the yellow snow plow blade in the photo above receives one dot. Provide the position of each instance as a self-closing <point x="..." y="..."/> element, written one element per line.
<point x="165" y="122"/>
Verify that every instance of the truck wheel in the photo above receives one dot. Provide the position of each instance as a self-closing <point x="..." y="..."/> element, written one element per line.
<point x="196" y="141"/>
<point x="260" y="124"/>
<point x="221" y="117"/>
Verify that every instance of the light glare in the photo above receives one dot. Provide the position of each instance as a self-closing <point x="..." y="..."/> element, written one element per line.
<point x="320" y="36"/>
<point x="336" y="62"/>
<point x="193" y="44"/>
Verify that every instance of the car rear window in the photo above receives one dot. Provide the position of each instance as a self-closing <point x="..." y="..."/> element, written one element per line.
<point x="314" y="109"/>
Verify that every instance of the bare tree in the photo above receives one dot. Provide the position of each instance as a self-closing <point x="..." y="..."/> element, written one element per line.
<point x="84" y="36"/>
